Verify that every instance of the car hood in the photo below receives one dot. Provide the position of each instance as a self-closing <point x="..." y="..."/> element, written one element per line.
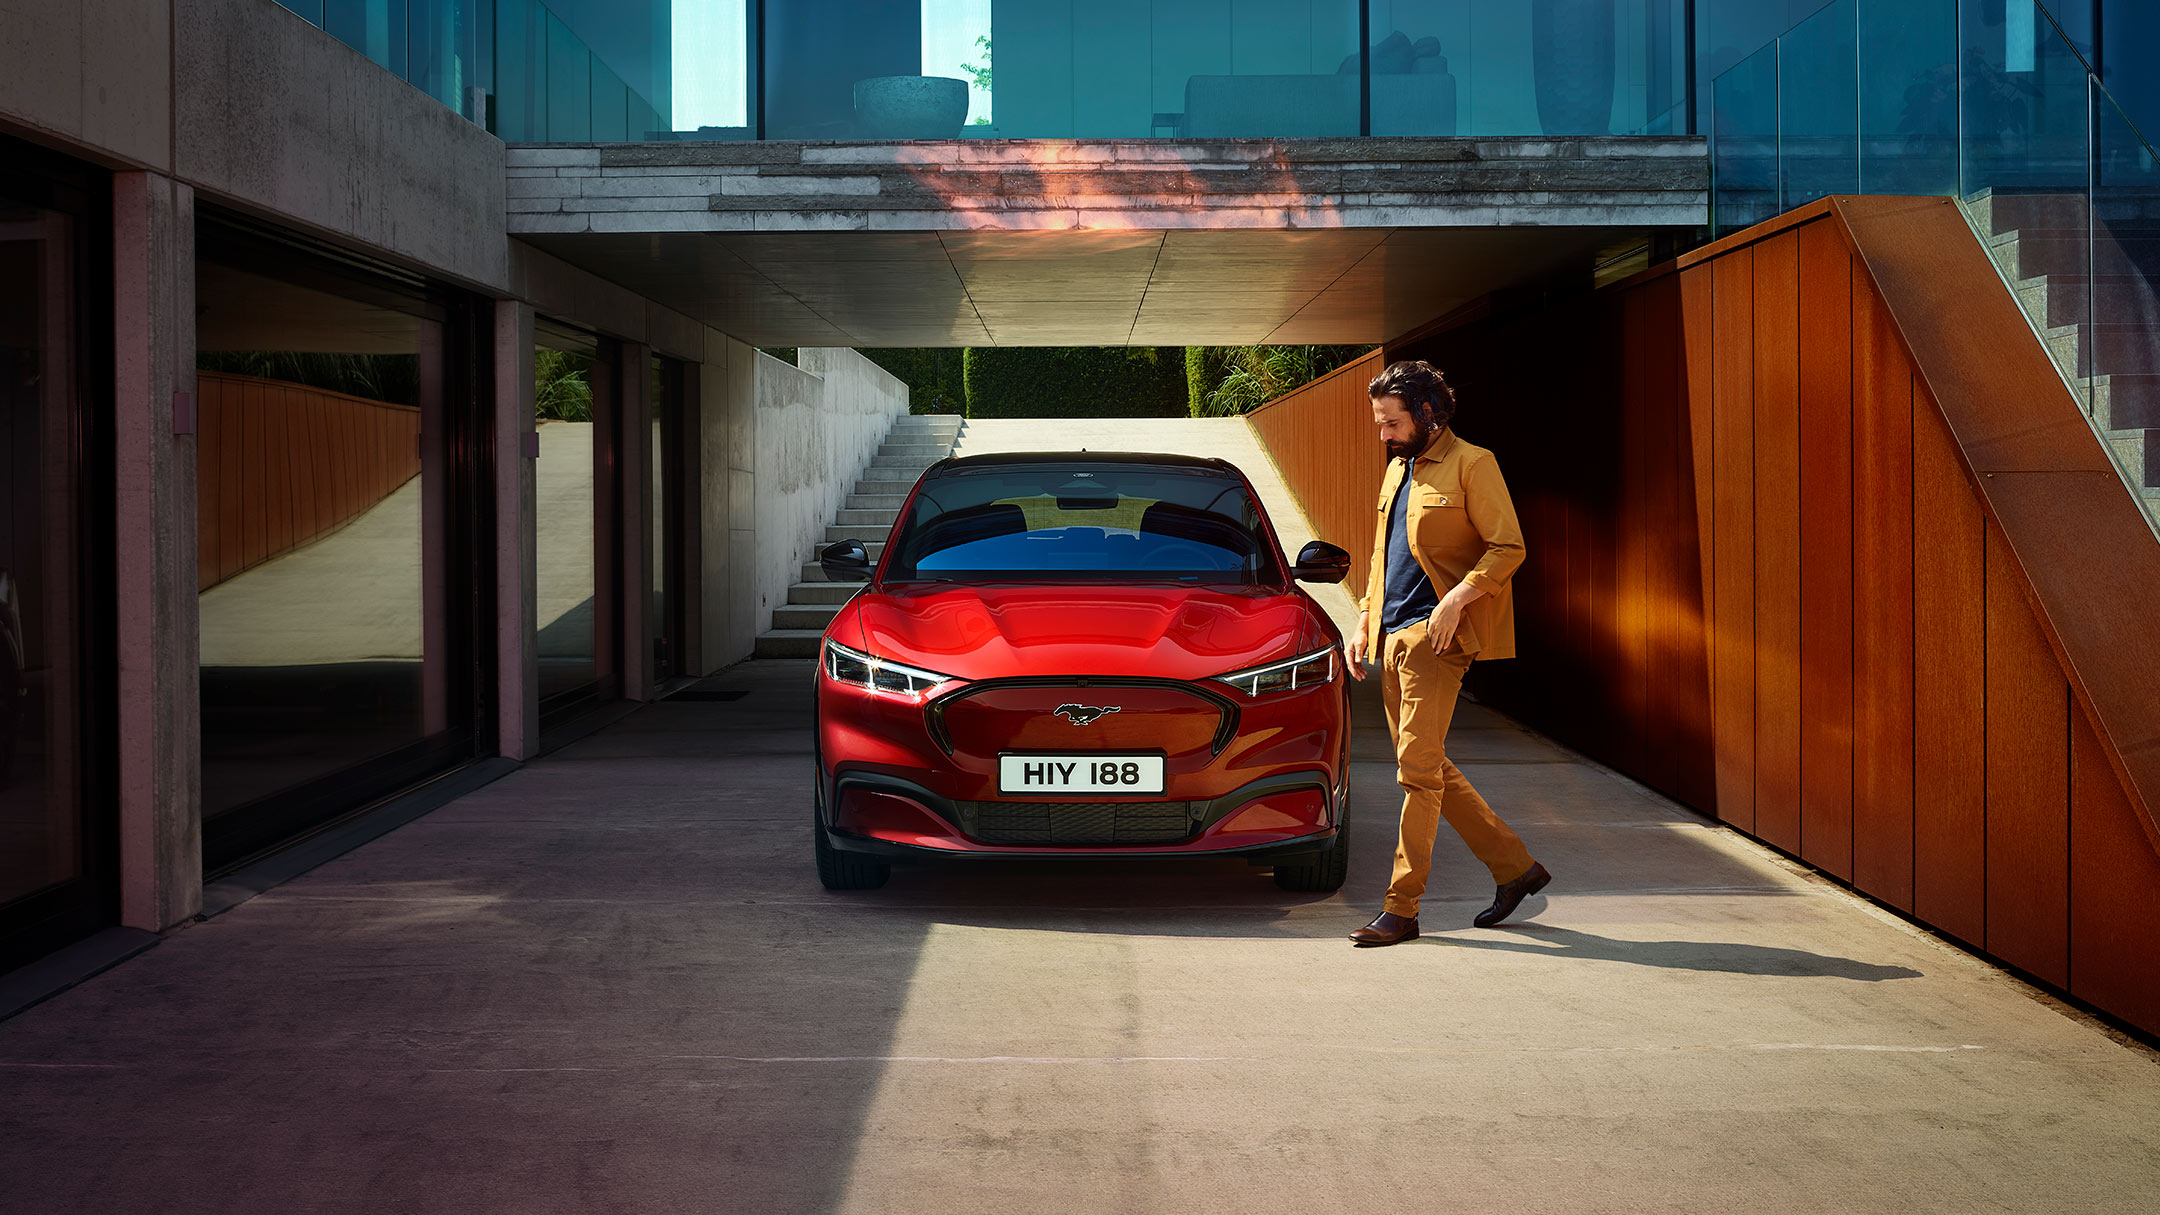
<point x="1003" y="631"/>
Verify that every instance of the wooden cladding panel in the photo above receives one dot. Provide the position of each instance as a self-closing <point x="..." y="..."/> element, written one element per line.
<point x="1777" y="541"/>
<point x="1740" y="469"/>
<point x="1321" y="438"/>
<point x="1697" y="780"/>
<point x="2114" y="888"/>
<point x="1826" y="549"/>
<point x="281" y="465"/>
<point x="1949" y="686"/>
<point x="1732" y="672"/>
<point x="1882" y="599"/>
<point x="2028" y="781"/>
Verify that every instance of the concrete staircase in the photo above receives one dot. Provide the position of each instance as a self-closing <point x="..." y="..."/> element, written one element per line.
<point x="914" y="444"/>
<point x="2087" y="279"/>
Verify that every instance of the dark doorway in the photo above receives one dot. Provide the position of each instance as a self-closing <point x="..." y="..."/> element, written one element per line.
<point x="57" y="868"/>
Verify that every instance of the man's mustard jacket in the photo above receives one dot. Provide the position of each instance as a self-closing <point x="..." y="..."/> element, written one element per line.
<point x="1462" y="528"/>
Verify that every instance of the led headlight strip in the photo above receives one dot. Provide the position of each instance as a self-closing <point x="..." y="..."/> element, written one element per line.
<point x="861" y="670"/>
<point x="1301" y="672"/>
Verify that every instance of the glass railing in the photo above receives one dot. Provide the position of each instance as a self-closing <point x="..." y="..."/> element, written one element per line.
<point x="1993" y="102"/>
<point x="551" y="87"/>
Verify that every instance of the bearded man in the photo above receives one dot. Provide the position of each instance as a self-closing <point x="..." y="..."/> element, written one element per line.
<point x="1444" y="547"/>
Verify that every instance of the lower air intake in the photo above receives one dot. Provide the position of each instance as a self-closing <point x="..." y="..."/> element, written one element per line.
<point x="1078" y="822"/>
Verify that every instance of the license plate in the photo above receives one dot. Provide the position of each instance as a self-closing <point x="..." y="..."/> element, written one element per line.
<point x="1095" y="773"/>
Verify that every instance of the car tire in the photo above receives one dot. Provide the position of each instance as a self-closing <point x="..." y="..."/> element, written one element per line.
<point x="1325" y="873"/>
<point x="838" y="870"/>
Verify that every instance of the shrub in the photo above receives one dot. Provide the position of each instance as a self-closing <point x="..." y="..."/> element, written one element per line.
<point x="1075" y="382"/>
<point x="1205" y="367"/>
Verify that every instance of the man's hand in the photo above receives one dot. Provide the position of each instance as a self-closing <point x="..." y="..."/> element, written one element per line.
<point x="1441" y="625"/>
<point x="1353" y="650"/>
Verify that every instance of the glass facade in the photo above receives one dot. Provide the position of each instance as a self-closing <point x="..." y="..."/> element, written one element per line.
<point x="54" y="868"/>
<point x="330" y="650"/>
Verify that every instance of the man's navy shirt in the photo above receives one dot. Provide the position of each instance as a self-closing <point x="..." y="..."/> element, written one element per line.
<point x="1410" y="596"/>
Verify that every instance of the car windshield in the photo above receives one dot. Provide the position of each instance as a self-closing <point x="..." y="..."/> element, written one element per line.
<point x="1093" y="522"/>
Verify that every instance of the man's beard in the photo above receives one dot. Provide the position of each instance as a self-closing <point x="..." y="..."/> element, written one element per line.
<point x="1415" y="444"/>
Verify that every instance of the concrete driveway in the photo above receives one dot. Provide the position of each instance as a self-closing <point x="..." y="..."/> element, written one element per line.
<point x="610" y="982"/>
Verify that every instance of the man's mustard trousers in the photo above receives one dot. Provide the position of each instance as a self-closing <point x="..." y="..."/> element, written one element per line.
<point x="1419" y="689"/>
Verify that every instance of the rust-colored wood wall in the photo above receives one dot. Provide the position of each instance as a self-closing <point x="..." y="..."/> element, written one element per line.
<point x="280" y="465"/>
<point x="1760" y="580"/>
<point x="1321" y="438"/>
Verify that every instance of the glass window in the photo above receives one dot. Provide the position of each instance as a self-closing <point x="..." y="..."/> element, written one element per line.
<point x="329" y="645"/>
<point x="1092" y="521"/>
<point x="568" y="397"/>
<point x="42" y="828"/>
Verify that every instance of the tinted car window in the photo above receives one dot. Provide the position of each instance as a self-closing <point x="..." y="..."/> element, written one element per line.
<point x="1088" y="521"/>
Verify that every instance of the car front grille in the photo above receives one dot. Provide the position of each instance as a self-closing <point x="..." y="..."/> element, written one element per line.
<point x="1078" y="822"/>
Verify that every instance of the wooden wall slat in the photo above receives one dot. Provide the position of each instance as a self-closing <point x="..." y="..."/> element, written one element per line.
<point x="1949" y="666"/>
<point x="1882" y="564"/>
<point x="1698" y="312"/>
<point x="2114" y="888"/>
<point x="1826" y="549"/>
<point x="1671" y="581"/>
<point x="232" y="476"/>
<point x="1732" y="673"/>
<point x="1777" y="541"/>
<point x="1632" y="519"/>
<point x="255" y="536"/>
<point x="2028" y="781"/>
<point x="278" y="479"/>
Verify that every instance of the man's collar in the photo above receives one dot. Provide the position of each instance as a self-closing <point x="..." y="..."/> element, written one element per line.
<point x="1435" y="447"/>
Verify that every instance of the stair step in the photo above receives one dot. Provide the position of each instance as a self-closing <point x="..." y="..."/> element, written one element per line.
<point x="889" y="502"/>
<point x="817" y="616"/>
<point x="881" y="487"/>
<point x="878" y="517"/>
<point x="868" y="533"/>
<point x="835" y="593"/>
<point x="789" y="643"/>
<point x="2071" y="298"/>
<point x="2104" y="349"/>
<point x="2125" y="402"/>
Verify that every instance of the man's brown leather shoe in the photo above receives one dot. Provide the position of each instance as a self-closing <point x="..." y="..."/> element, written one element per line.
<point x="1389" y="929"/>
<point x="1509" y="894"/>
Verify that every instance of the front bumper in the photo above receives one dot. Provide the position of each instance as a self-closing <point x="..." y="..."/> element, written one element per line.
<point x="1242" y="823"/>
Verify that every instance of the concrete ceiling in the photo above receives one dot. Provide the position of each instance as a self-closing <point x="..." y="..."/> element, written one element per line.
<point x="1078" y="287"/>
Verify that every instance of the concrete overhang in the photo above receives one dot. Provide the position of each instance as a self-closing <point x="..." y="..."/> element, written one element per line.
<point x="1094" y="242"/>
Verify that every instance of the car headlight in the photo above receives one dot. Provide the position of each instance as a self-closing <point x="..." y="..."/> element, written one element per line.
<point x="1301" y="672"/>
<point x="855" y="668"/>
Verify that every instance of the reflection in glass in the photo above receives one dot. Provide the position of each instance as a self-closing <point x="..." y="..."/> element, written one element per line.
<point x="41" y="822"/>
<point x="2024" y="101"/>
<point x="1908" y="98"/>
<point x="312" y="507"/>
<point x="2121" y="295"/>
<point x="1818" y="90"/>
<point x="666" y="381"/>
<point x="1547" y="67"/>
<point x="563" y="507"/>
<point x="1744" y="113"/>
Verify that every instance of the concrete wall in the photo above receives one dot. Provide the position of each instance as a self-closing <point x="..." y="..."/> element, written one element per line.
<point x="816" y="426"/>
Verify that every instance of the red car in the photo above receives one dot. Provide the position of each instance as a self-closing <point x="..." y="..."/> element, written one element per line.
<point x="1076" y="654"/>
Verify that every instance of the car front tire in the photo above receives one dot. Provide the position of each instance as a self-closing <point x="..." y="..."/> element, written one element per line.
<point x="837" y="870"/>
<point x="1325" y="873"/>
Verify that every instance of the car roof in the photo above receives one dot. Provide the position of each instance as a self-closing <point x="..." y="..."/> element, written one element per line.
<point x="1131" y="459"/>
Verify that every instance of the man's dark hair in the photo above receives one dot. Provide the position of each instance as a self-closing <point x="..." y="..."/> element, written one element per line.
<point x="1424" y="391"/>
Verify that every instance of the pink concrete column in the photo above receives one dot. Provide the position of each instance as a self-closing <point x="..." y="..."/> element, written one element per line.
<point x="160" y="743"/>
<point x="517" y="651"/>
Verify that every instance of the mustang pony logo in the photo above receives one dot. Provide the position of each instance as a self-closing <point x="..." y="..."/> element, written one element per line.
<point x="1082" y="715"/>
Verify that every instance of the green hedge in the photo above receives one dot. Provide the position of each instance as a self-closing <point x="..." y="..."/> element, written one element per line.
<point x="1076" y="382"/>
<point x="936" y="378"/>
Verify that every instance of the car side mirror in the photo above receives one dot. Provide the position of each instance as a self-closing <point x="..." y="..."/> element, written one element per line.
<point x="849" y="561"/>
<point x="1320" y="561"/>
